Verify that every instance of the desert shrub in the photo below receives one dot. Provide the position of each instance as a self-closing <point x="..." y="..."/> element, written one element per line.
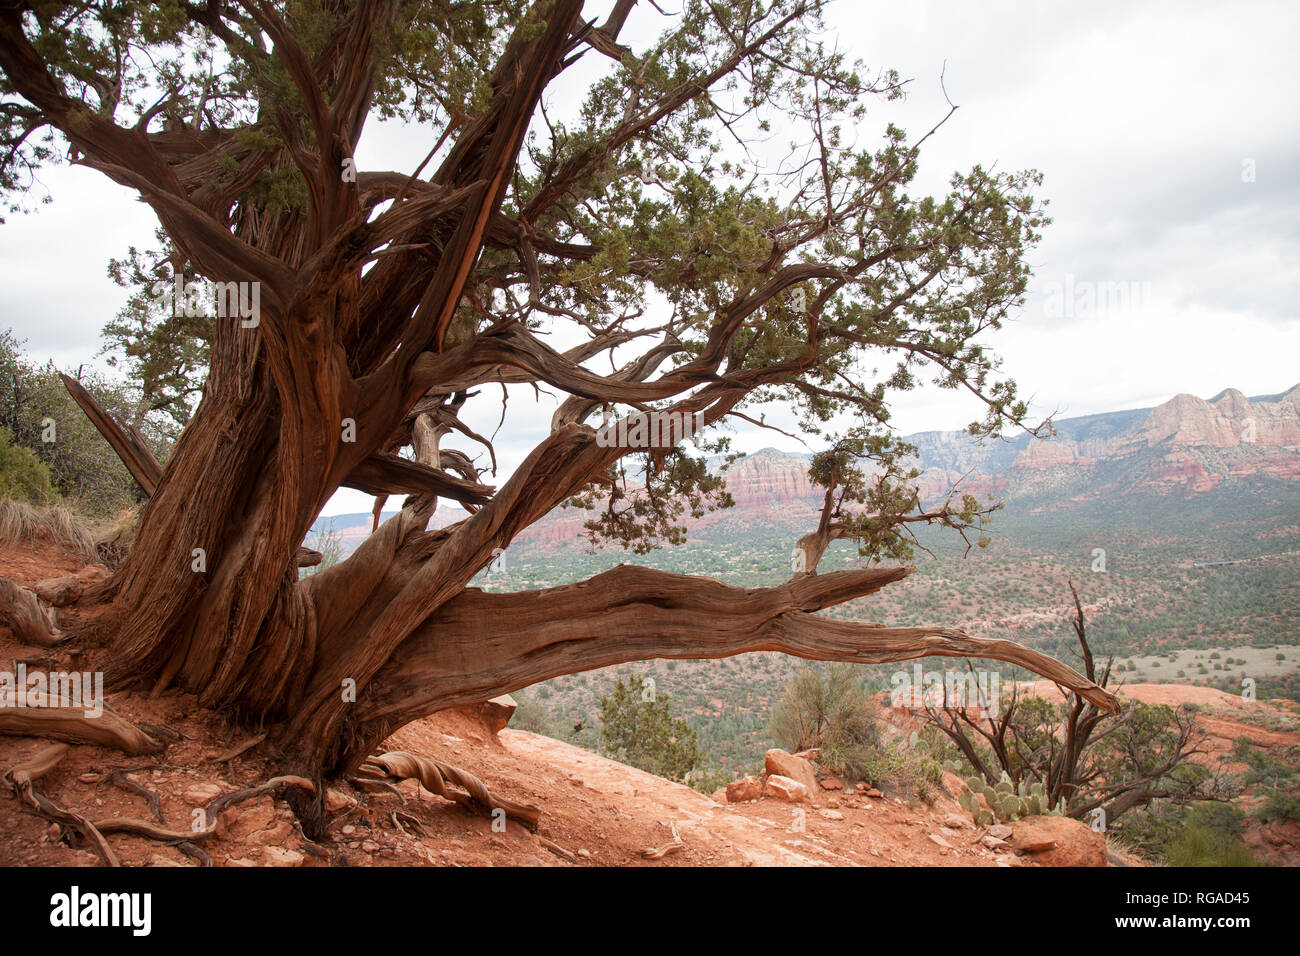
<point x="1205" y="846"/>
<point x="1280" y="806"/>
<point x="329" y="544"/>
<point x="638" y="728"/>
<point x="23" y="476"/>
<point x="531" y="715"/>
<point x="42" y="417"/>
<point x="826" y="710"/>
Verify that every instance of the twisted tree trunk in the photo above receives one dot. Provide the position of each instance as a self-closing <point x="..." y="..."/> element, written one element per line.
<point x="365" y="313"/>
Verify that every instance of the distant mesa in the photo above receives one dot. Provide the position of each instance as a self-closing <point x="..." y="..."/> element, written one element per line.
<point x="1186" y="446"/>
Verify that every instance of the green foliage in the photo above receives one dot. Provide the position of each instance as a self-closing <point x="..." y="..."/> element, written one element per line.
<point x="637" y="727"/>
<point x="165" y="356"/>
<point x="1203" y="846"/>
<point x="531" y="714"/>
<point x="1005" y="800"/>
<point x="1198" y="833"/>
<point x="822" y="707"/>
<point x="84" y="469"/>
<point x="23" y="477"/>
<point x="1280" y="806"/>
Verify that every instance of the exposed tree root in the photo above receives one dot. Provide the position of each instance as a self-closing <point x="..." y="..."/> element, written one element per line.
<point x="237" y="751"/>
<point x="29" y="618"/>
<point x="194" y="852"/>
<point x="374" y="786"/>
<point x="558" y="850"/>
<point x="22" y="778"/>
<point x="120" y="779"/>
<point x="437" y="777"/>
<point x="398" y="818"/>
<point x="71" y="724"/>
<point x="210" y="813"/>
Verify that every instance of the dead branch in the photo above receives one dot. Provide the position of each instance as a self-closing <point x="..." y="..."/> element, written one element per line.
<point x="72" y="725"/>
<point x="27" y="616"/>
<point x="21" y="779"/>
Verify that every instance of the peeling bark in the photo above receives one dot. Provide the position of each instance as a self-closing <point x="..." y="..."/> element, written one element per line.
<point x="26" y="616"/>
<point x="463" y="653"/>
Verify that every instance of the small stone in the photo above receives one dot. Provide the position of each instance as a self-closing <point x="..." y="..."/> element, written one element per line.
<point x="369" y="846"/>
<point x="747" y="788"/>
<point x="336" y="802"/>
<point x="874" y="793"/>
<point x="832" y="783"/>
<point x="780" y="763"/>
<point x="831" y="814"/>
<point x="586" y="854"/>
<point x="935" y="838"/>
<point x="90" y="777"/>
<point x="958" y="822"/>
<point x="201" y="794"/>
<point x="348" y="830"/>
<point x="1000" y="831"/>
<point x="282" y="856"/>
<point x="787" y="789"/>
<point x="1036" y="846"/>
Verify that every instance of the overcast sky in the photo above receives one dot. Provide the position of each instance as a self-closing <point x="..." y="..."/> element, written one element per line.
<point x="1166" y="133"/>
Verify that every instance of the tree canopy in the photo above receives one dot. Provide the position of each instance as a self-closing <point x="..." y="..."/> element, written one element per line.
<point x="714" y="226"/>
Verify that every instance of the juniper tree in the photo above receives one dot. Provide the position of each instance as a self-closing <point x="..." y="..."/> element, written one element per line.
<point x="640" y="251"/>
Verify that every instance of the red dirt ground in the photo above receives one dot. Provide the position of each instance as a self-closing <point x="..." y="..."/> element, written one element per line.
<point x="595" y="812"/>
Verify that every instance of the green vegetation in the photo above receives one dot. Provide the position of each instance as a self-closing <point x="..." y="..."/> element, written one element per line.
<point x="39" y="415"/>
<point x="1196" y="834"/>
<point x="637" y="728"/>
<point x="825" y="707"/>
<point x="23" y="476"/>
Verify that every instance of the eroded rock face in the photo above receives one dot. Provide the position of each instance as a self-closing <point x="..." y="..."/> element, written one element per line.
<point x="1229" y="421"/>
<point x="495" y="714"/>
<point x="792" y="766"/>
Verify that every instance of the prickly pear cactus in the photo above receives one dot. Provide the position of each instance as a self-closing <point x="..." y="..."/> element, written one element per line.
<point x="1006" y="801"/>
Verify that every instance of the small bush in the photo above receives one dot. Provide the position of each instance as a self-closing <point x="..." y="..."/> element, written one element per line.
<point x="23" y="476"/>
<point x="1281" y="806"/>
<point x="1205" y="846"/>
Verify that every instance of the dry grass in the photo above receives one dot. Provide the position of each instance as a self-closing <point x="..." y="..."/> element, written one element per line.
<point x="105" y="543"/>
<point x="21" y="523"/>
<point x="113" y="539"/>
